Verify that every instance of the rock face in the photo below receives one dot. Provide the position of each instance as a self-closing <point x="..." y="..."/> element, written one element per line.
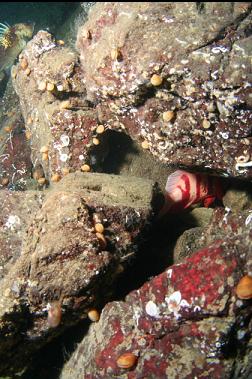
<point x="16" y="209"/>
<point x="180" y="88"/>
<point x="64" y="259"/>
<point x="15" y="161"/>
<point x="58" y="119"/>
<point x="185" y="322"/>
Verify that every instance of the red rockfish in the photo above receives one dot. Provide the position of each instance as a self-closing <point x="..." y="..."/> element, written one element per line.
<point x="185" y="188"/>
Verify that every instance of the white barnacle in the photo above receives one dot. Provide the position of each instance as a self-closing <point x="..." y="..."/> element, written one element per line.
<point x="65" y="140"/>
<point x="196" y="308"/>
<point x="152" y="309"/>
<point x="173" y="301"/>
<point x="63" y="157"/>
<point x="12" y="222"/>
<point x="57" y="145"/>
<point x="169" y="273"/>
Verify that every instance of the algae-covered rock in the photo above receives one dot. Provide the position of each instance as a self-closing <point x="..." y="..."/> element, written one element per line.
<point x="62" y="259"/>
<point x="176" y="77"/>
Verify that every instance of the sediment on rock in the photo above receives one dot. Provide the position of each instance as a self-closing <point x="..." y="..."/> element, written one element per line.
<point x="59" y="120"/>
<point x="65" y="259"/>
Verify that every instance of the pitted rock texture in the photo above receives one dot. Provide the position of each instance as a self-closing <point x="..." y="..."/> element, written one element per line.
<point x="59" y="120"/>
<point x="64" y="260"/>
<point x="186" y="322"/>
<point x="201" y="54"/>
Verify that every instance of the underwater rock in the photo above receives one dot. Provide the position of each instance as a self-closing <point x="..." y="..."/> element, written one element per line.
<point x="76" y="240"/>
<point x="58" y="118"/>
<point x="181" y="89"/>
<point x="126" y="157"/>
<point x="185" y="322"/>
<point x="223" y="222"/>
<point x="238" y="197"/>
<point x="187" y="243"/>
<point x="15" y="162"/>
<point x="16" y="209"/>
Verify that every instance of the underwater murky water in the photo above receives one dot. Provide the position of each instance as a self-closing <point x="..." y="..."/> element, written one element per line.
<point x="59" y="18"/>
<point x="45" y="15"/>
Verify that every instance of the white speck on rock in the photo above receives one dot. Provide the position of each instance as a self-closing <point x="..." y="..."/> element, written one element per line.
<point x="224" y="135"/>
<point x="169" y="273"/>
<point x="65" y="140"/>
<point x="248" y="219"/>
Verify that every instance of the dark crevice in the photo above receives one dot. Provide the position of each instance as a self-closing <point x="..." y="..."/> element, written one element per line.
<point x="200" y="7"/>
<point x="247" y="31"/>
<point x="48" y="362"/>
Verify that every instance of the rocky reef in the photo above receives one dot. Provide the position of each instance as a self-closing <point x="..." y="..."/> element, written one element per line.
<point x="149" y="88"/>
<point x="182" y="322"/>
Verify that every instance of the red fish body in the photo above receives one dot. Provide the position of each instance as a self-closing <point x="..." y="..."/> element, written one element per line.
<point x="185" y="188"/>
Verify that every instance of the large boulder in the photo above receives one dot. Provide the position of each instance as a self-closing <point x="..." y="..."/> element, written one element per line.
<point x="188" y="321"/>
<point x="58" y="258"/>
<point x="176" y="77"/>
<point x="60" y="123"/>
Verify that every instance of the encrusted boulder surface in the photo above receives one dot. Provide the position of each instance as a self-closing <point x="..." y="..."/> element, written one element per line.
<point x="16" y="209"/>
<point x="64" y="260"/>
<point x="186" y="322"/>
<point x="59" y="120"/>
<point x="175" y="76"/>
<point x="15" y="161"/>
<point x="207" y="223"/>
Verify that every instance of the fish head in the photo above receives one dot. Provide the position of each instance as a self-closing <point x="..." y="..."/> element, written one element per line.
<point x="178" y="192"/>
<point x="12" y="41"/>
<point x="180" y="186"/>
<point x="184" y="189"/>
